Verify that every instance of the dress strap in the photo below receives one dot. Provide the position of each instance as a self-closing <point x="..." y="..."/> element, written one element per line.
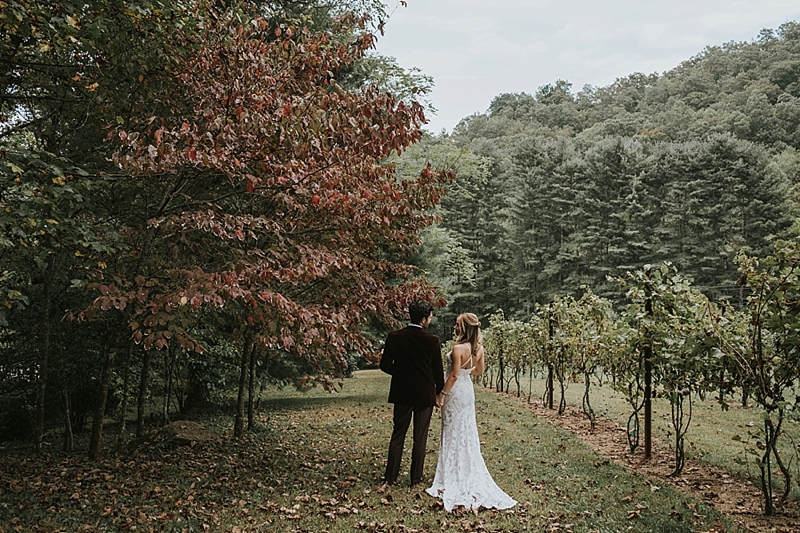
<point x="468" y="361"/>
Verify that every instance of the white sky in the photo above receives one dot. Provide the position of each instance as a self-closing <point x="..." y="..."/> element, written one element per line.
<point x="477" y="49"/>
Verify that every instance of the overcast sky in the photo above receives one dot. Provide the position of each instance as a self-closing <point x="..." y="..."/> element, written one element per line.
<point x="477" y="49"/>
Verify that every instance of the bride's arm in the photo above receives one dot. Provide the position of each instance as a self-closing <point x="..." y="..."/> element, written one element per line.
<point x="479" y="363"/>
<point x="457" y="356"/>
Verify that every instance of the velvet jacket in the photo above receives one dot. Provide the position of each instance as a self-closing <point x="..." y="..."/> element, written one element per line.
<point x="413" y="357"/>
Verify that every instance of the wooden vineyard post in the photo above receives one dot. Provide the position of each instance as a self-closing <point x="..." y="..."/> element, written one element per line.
<point x="648" y="378"/>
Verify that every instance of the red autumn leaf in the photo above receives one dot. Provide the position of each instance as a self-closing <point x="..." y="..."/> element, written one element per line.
<point x="288" y="342"/>
<point x="280" y="269"/>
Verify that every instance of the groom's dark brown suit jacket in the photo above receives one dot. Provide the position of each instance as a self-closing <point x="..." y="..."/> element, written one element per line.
<point x="413" y="357"/>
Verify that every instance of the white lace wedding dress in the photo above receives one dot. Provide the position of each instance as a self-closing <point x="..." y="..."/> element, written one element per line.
<point x="461" y="474"/>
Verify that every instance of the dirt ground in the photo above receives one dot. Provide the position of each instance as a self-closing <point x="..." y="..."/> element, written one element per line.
<point x="740" y="500"/>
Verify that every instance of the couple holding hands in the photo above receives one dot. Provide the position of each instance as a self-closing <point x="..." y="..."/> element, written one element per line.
<point x="413" y="358"/>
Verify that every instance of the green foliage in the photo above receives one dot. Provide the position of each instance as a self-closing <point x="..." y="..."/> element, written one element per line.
<point x="568" y="337"/>
<point x="675" y="321"/>
<point x="576" y="211"/>
<point x="409" y="85"/>
<point x="692" y="345"/>
<point x="688" y="167"/>
<point x="763" y="346"/>
<point x="446" y="253"/>
<point x="72" y="69"/>
<point x="673" y="325"/>
<point x="94" y="249"/>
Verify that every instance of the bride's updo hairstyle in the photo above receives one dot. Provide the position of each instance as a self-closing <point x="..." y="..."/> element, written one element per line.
<point x="468" y="329"/>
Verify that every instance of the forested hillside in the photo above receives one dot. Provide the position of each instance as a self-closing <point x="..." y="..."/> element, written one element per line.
<point x="559" y="189"/>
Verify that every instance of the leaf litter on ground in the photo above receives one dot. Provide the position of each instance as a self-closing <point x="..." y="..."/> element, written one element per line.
<point x="315" y="464"/>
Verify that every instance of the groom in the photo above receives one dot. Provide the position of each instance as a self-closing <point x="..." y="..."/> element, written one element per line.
<point x="413" y="357"/>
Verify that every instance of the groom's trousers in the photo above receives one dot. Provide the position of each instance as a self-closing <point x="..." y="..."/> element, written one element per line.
<point x="402" y="419"/>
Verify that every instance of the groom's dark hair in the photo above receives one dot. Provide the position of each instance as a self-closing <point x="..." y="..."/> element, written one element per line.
<point x="418" y="310"/>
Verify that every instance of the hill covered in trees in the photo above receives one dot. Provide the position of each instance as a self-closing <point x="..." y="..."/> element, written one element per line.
<point x="560" y="189"/>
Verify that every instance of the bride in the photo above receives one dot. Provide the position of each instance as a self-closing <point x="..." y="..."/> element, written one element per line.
<point x="461" y="474"/>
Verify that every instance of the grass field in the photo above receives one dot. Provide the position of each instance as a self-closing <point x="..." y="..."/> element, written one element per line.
<point x="726" y="439"/>
<point x="314" y="465"/>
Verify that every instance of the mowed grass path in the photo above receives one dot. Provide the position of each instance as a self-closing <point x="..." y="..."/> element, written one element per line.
<point x="315" y="465"/>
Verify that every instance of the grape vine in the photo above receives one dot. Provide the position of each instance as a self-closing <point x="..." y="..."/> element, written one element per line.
<point x="668" y="340"/>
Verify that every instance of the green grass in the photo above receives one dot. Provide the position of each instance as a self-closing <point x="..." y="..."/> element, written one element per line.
<point x="315" y="463"/>
<point x="725" y="439"/>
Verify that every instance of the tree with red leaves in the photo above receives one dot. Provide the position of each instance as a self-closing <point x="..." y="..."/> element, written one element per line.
<point x="280" y="212"/>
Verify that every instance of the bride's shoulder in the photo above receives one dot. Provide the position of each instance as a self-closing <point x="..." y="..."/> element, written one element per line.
<point x="464" y="346"/>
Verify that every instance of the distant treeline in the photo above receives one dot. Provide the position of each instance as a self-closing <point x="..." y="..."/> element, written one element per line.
<point x="557" y="189"/>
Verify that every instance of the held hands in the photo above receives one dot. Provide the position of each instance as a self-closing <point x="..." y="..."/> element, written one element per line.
<point x="440" y="399"/>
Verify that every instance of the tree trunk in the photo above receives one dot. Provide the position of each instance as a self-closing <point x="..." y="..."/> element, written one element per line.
<point x="551" y="326"/>
<point x="69" y="441"/>
<point x="587" y="406"/>
<point x="680" y="425"/>
<point x="263" y="383"/>
<point x="96" y="442"/>
<point x="500" y="372"/>
<point x="41" y="389"/>
<point x="785" y="472"/>
<point x="530" y="383"/>
<point x="142" y="397"/>
<point x="648" y="389"/>
<point x="766" y="469"/>
<point x="771" y="434"/>
<point x="123" y="410"/>
<point x="633" y="430"/>
<point x="251" y="393"/>
<point x="168" y="365"/>
<point x="247" y="350"/>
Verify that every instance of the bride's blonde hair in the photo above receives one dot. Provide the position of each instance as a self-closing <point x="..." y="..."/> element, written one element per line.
<point x="468" y="329"/>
